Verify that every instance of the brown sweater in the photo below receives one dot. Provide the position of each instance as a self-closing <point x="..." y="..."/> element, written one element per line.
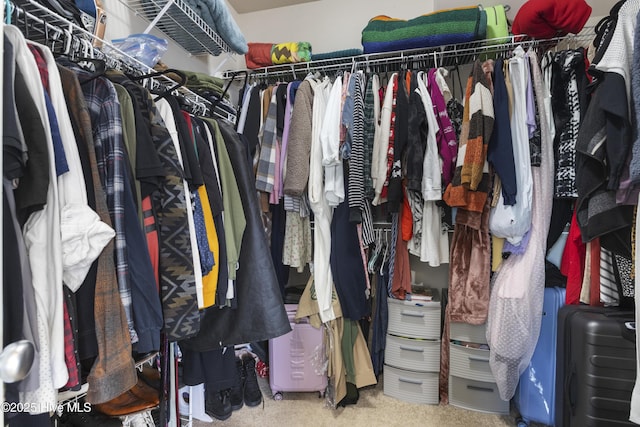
<point x="299" y="143"/>
<point x="471" y="182"/>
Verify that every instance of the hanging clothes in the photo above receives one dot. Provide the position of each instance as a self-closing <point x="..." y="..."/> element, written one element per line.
<point x="598" y="214"/>
<point x="177" y="277"/>
<point x="297" y="248"/>
<point x="113" y="370"/>
<point x="470" y="184"/>
<point x="512" y="341"/>
<point x="500" y="149"/>
<point x="166" y="116"/>
<point x="433" y="247"/>
<point x="330" y="140"/>
<point x="371" y="119"/>
<point x="470" y="251"/>
<point x="447" y="139"/>
<point x="513" y="221"/>
<point x="41" y="229"/>
<point x="569" y="81"/>
<point x="346" y="264"/>
<point x="210" y="280"/>
<point x="260" y="314"/>
<point x="323" y="213"/>
<point x="381" y="144"/>
<point x="214" y="193"/>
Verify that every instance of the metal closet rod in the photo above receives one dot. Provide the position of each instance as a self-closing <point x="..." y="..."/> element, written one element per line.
<point x="446" y="55"/>
<point x="53" y="28"/>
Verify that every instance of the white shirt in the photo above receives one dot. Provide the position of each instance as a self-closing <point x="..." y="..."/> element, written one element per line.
<point x="42" y="240"/>
<point x="84" y="235"/>
<point x="323" y="279"/>
<point x="381" y="143"/>
<point x="619" y="53"/>
<point x="441" y="73"/>
<point x="434" y="246"/>
<point x="330" y="141"/>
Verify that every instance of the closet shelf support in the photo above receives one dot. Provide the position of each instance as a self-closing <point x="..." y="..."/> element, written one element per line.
<point x="159" y="16"/>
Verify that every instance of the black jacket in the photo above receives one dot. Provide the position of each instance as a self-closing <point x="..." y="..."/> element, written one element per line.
<point x="260" y="313"/>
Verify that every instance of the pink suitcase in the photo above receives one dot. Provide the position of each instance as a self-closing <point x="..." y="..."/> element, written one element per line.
<point x="297" y="360"/>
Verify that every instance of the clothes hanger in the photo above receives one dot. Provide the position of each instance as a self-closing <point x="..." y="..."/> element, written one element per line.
<point x="183" y="77"/>
<point x="82" y="53"/>
<point x="8" y="12"/>
<point x="226" y="89"/>
<point x="385" y="254"/>
<point x="376" y="252"/>
<point x="25" y="22"/>
<point x="158" y="88"/>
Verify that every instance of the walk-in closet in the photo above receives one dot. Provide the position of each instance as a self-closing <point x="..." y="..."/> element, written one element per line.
<point x="320" y="213"/>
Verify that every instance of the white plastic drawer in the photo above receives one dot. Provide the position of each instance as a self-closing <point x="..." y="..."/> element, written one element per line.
<point x="412" y="353"/>
<point x="476" y="396"/>
<point x="469" y="333"/>
<point x="472" y="363"/>
<point x="411" y="386"/>
<point x="414" y="320"/>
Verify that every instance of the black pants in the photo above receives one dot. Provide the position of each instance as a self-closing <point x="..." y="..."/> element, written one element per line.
<point x="215" y="368"/>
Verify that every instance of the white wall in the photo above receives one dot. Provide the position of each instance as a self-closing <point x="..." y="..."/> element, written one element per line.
<point x="327" y="24"/>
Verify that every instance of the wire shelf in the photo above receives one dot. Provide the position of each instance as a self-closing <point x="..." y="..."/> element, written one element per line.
<point x="44" y="26"/>
<point x="438" y="56"/>
<point x="180" y="23"/>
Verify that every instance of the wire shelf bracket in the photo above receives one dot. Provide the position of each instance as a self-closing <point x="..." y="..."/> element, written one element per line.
<point x="181" y="23"/>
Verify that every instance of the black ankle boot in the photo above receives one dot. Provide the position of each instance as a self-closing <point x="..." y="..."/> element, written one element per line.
<point x="252" y="393"/>
<point x="218" y="405"/>
<point x="351" y="397"/>
<point x="236" y="395"/>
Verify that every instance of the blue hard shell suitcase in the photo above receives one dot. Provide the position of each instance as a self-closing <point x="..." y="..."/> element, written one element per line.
<point x="535" y="395"/>
<point x="596" y="366"/>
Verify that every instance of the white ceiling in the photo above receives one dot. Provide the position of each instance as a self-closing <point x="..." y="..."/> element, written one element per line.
<point x="245" y="6"/>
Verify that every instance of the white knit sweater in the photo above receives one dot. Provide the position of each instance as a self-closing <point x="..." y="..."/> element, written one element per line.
<point x="619" y="54"/>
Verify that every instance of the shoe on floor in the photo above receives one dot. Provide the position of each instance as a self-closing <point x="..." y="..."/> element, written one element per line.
<point x="146" y="392"/>
<point x="125" y="404"/>
<point x="218" y="405"/>
<point x="351" y="397"/>
<point x="251" y="392"/>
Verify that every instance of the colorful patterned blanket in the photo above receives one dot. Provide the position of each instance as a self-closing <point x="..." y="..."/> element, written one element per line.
<point x="266" y="54"/>
<point x="385" y="34"/>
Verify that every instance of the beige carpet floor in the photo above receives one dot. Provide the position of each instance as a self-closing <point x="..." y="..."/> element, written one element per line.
<point x="372" y="409"/>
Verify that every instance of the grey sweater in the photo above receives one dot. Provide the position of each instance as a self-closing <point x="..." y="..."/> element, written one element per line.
<point x="299" y="143"/>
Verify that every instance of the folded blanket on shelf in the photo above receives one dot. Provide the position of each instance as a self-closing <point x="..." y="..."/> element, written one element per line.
<point x="291" y="52"/>
<point x="258" y="55"/>
<point x="266" y="54"/>
<point x="545" y="19"/>
<point x="336" y="54"/>
<point x="385" y="34"/>
<point x="200" y="81"/>
<point x="216" y="14"/>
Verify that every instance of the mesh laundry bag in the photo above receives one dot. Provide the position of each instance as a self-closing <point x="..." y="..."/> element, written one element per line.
<point x="515" y="307"/>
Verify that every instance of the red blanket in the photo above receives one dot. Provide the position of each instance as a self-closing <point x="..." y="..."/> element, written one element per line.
<point x="544" y="19"/>
<point x="259" y="55"/>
